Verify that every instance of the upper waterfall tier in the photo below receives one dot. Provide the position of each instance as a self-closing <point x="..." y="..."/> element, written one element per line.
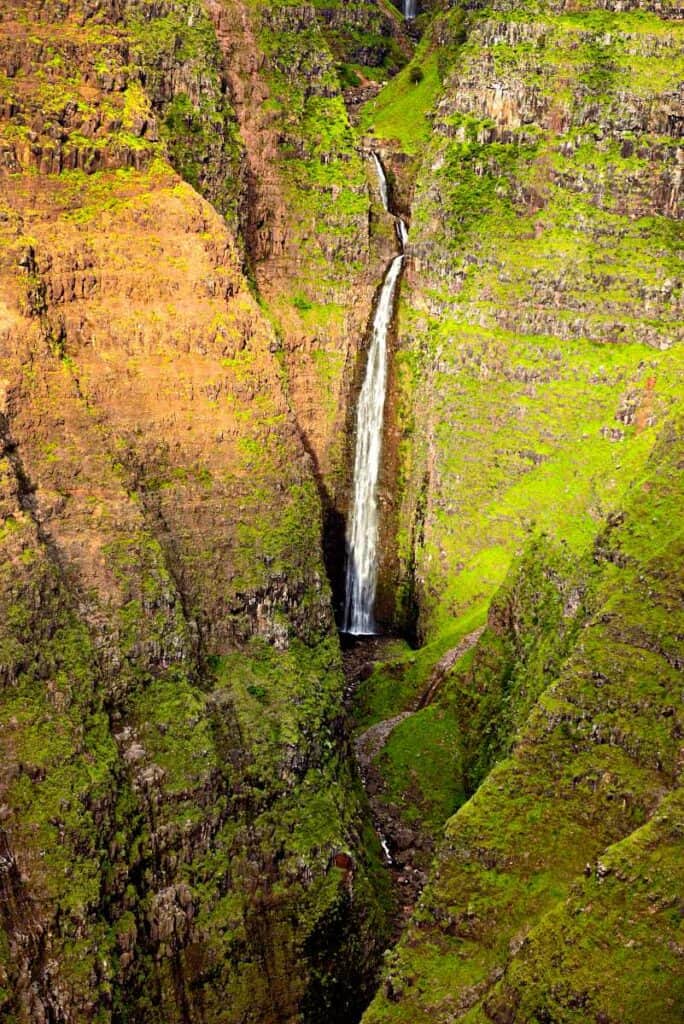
<point x="399" y="222"/>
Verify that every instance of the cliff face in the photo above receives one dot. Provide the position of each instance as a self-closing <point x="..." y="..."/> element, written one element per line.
<point x="190" y="243"/>
<point x="307" y="205"/>
<point x="538" y="364"/>
<point x="542" y="305"/>
<point x="553" y="896"/>
<point x="180" y="830"/>
<point x="316" y="237"/>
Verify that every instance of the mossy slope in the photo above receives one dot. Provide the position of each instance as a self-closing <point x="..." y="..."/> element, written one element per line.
<point x="589" y="764"/>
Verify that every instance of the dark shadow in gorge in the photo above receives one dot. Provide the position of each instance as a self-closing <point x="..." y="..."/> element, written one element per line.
<point x="333" y="529"/>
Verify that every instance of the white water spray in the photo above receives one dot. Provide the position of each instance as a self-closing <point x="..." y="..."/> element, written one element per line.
<point x="362" y="536"/>
<point x="410" y="9"/>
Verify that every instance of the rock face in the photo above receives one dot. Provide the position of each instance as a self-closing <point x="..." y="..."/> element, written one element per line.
<point x="530" y="388"/>
<point x="174" y="793"/>
<point x="190" y="244"/>
<point x="541" y="274"/>
<point x="316" y="236"/>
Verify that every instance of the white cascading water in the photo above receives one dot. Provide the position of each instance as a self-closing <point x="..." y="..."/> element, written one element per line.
<point x="410" y="8"/>
<point x="362" y="535"/>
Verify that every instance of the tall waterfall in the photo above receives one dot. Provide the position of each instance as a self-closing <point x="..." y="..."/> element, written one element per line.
<point x="410" y="9"/>
<point x="362" y="535"/>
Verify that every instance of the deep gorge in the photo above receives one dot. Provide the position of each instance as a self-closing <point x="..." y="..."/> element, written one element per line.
<point x="217" y="805"/>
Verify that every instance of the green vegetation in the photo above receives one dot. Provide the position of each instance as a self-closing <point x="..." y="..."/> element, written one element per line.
<point x="400" y="112"/>
<point x="592" y="755"/>
<point x="197" y="122"/>
<point x="421" y="764"/>
<point x="365" y="39"/>
<point x="617" y="920"/>
<point x="180" y="815"/>
<point x="397" y="683"/>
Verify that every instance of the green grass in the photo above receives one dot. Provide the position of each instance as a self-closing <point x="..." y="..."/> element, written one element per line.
<point x="400" y="111"/>
<point x="421" y="765"/>
<point x="396" y="683"/>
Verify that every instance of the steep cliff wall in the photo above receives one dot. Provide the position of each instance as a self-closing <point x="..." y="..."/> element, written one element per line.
<point x="539" y="362"/>
<point x="180" y="831"/>
<point x="306" y="207"/>
<point x="542" y="304"/>
<point x="317" y="238"/>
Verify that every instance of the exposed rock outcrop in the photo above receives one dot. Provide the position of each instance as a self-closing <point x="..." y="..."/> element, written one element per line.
<point x="169" y="670"/>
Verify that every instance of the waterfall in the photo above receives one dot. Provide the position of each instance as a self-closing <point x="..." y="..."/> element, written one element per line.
<point x="362" y="535"/>
<point x="410" y="9"/>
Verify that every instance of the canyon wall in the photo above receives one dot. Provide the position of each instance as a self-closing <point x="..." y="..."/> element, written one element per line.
<point x="537" y="373"/>
<point x="181" y="833"/>
<point x="542" y="304"/>
<point x="191" y="241"/>
<point x="553" y="895"/>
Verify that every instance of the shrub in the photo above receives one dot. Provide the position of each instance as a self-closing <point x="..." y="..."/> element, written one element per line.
<point x="348" y="76"/>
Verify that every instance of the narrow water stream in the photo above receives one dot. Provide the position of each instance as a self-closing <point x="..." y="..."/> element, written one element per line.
<point x="362" y="534"/>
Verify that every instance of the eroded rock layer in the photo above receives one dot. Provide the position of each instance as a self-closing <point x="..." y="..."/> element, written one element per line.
<point x="180" y="830"/>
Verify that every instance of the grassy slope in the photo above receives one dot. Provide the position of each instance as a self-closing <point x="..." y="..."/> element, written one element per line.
<point x="624" y="921"/>
<point x="589" y="765"/>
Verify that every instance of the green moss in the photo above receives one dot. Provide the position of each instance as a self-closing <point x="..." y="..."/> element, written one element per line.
<point x="422" y="767"/>
<point x="614" y="926"/>
<point x="589" y="765"/>
<point x="534" y="621"/>
<point x="397" y="682"/>
<point x="197" y="121"/>
<point x="400" y="111"/>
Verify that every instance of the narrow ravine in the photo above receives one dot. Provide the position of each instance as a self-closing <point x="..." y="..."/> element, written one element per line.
<point x="362" y="534"/>
<point x="403" y="845"/>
